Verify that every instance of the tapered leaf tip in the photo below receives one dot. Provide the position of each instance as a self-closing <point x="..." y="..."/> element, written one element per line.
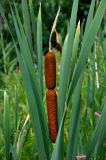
<point x="40" y="5"/>
<point x="78" y="26"/>
<point x="5" y="93"/>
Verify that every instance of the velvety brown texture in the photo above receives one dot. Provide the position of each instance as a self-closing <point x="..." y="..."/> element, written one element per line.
<point x="51" y="98"/>
<point x="50" y="70"/>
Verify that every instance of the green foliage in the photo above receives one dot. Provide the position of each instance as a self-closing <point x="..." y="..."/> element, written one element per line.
<point x="81" y="93"/>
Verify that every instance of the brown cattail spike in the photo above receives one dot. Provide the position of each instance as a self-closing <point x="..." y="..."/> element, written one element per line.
<point x="50" y="70"/>
<point x="52" y="113"/>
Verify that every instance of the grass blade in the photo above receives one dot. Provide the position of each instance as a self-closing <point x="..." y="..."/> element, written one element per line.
<point x="39" y="49"/>
<point x="57" y="148"/>
<point x="21" y="139"/>
<point x="27" y="25"/>
<point x="65" y="63"/>
<point x="87" y="44"/>
<point x="65" y="66"/>
<point x="32" y="91"/>
<point x="74" y="123"/>
<point x="6" y="125"/>
<point x="33" y="24"/>
<point x="33" y="108"/>
<point x="75" y="51"/>
<point x="90" y="16"/>
<point x="16" y="108"/>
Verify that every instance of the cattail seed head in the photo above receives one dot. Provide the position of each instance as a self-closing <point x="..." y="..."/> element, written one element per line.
<point x="50" y="70"/>
<point x="51" y="98"/>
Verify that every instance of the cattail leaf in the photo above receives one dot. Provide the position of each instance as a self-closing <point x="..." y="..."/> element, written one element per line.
<point x="89" y="20"/>
<point x="57" y="148"/>
<point x="39" y="49"/>
<point x="65" y="66"/>
<point x="27" y="23"/>
<point x="90" y="17"/>
<point x="75" y="51"/>
<point x="25" y="49"/>
<point x="34" y="27"/>
<point x="87" y="44"/>
<point x="74" y="122"/>
<point x="33" y="108"/>
<point x="33" y="75"/>
<point x="65" y="62"/>
<point x="76" y="41"/>
<point x="32" y="89"/>
<point x="6" y="127"/>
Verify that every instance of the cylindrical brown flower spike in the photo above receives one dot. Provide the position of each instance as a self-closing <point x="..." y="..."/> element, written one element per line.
<point x="50" y="70"/>
<point x="51" y="98"/>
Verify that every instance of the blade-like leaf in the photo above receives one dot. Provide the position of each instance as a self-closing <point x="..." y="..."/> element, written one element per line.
<point x="21" y="139"/>
<point x="32" y="90"/>
<point x="27" y="25"/>
<point x="57" y="148"/>
<point x="39" y="49"/>
<point x="65" y="62"/>
<point x="6" y="125"/>
<point x="89" y="20"/>
<point x="33" y="108"/>
<point x="74" y="123"/>
<point x="75" y="51"/>
<point x="90" y="17"/>
<point x="87" y="44"/>
<point x="64" y="70"/>
<point x="16" y="108"/>
<point x="33" y="24"/>
<point x="26" y="56"/>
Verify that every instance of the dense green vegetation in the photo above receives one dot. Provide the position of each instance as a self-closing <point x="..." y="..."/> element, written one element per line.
<point x="81" y="81"/>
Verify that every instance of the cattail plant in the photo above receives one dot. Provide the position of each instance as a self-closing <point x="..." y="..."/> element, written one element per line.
<point x="72" y="74"/>
<point x="50" y="79"/>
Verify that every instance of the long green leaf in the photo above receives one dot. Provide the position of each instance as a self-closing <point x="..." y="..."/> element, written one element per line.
<point x="75" y="51"/>
<point x="21" y="139"/>
<point x="33" y="75"/>
<point x="74" y="122"/>
<point x="89" y="20"/>
<point x="30" y="76"/>
<point x="87" y="44"/>
<point x="6" y="125"/>
<point x="16" y="107"/>
<point x="42" y="150"/>
<point x="34" y="27"/>
<point x="65" y="66"/>
<point x="90" y="17"/>
<point x="57" y="148"/>
<point x="27" y="25"/>
<point x="39" y="49"/>
<point x="65" y="62"/>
